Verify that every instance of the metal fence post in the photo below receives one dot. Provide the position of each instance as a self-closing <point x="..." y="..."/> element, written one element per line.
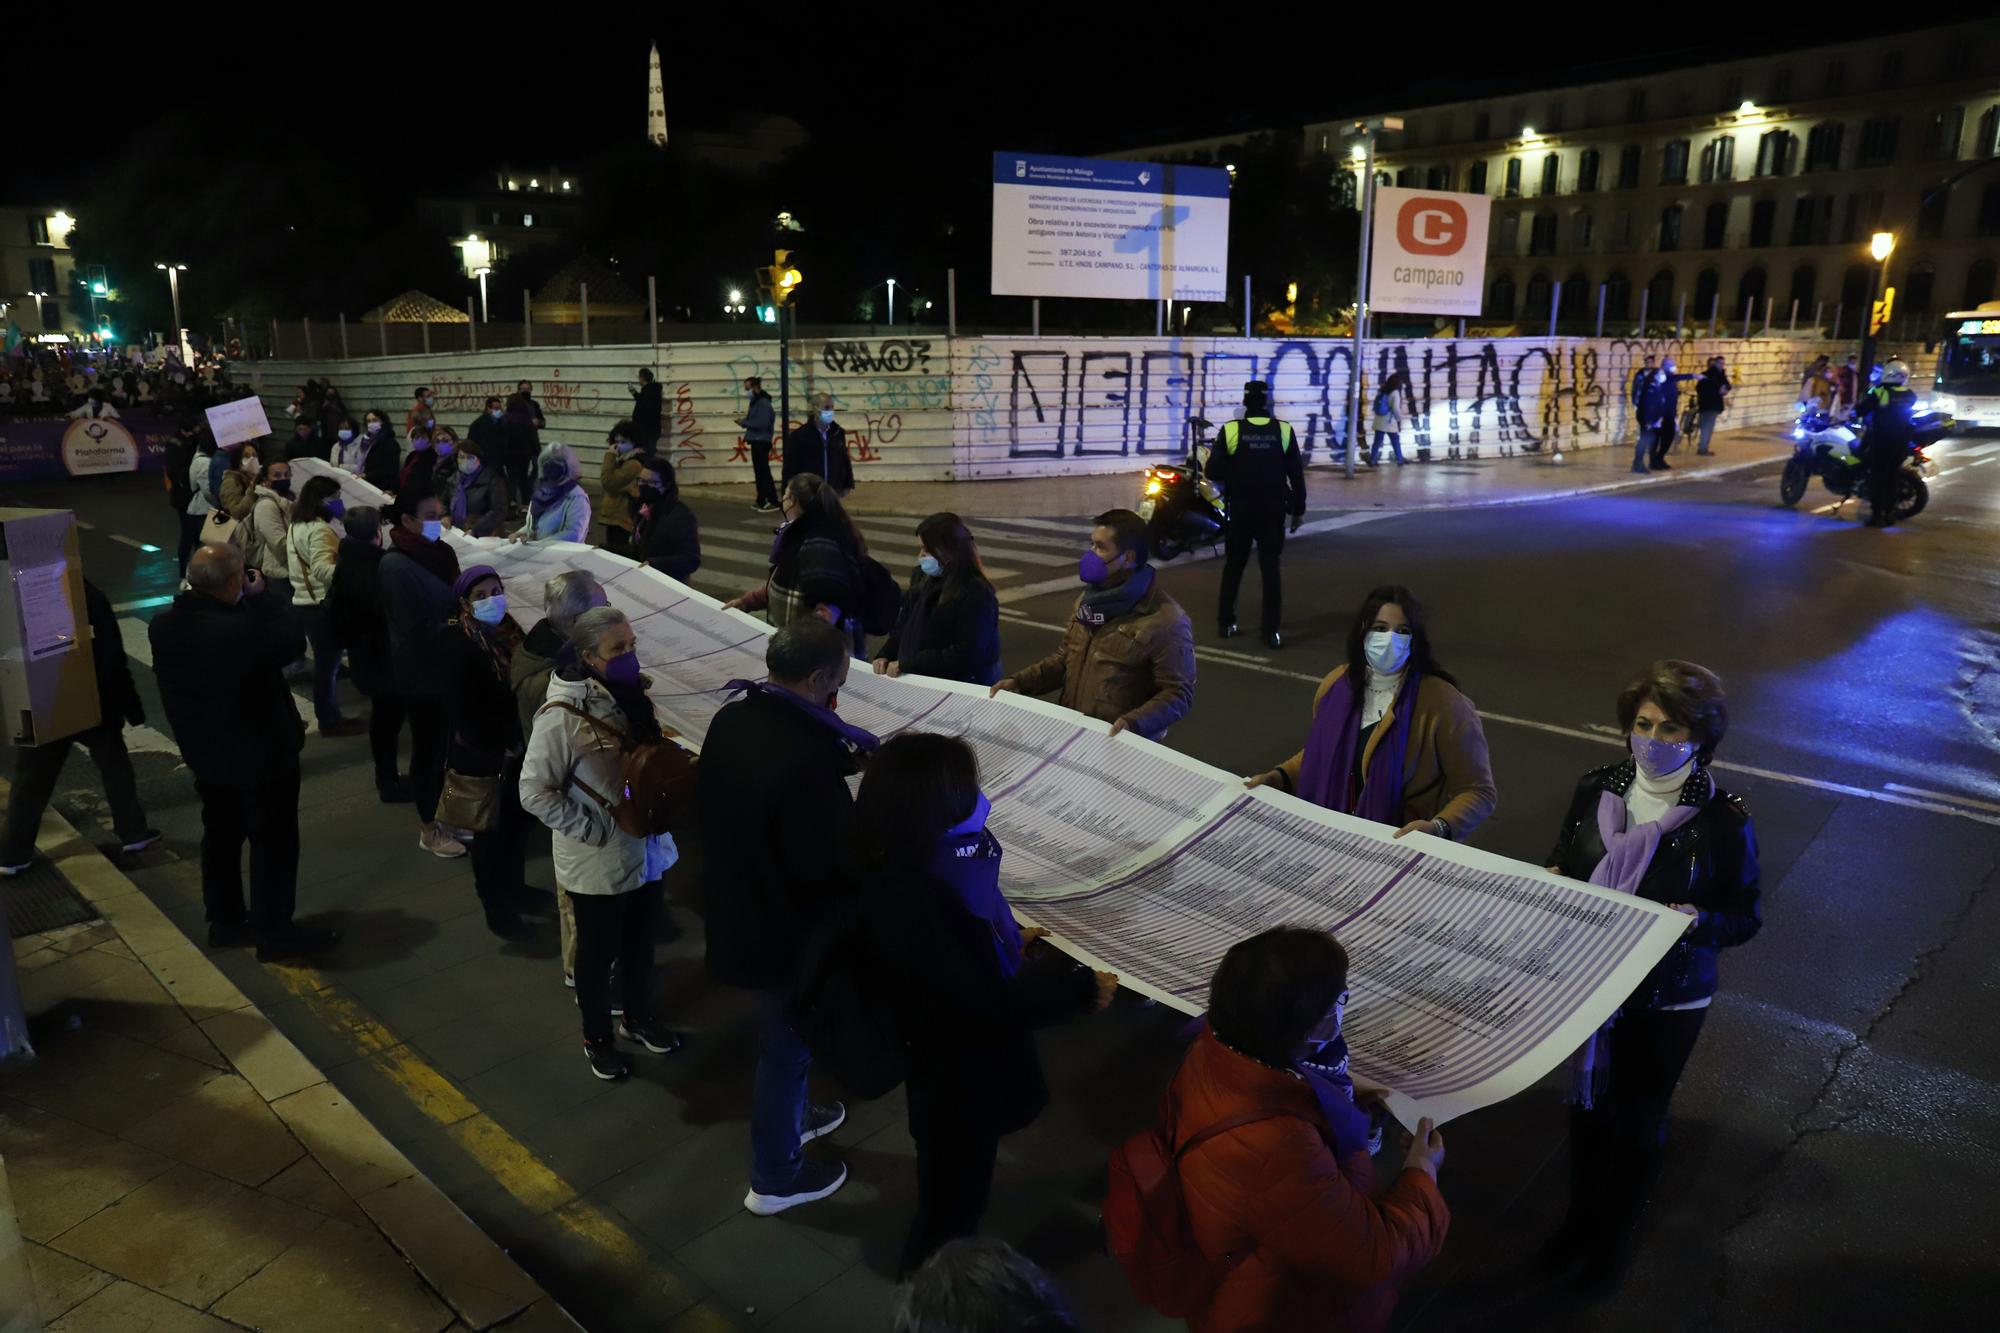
<point x="382" y="334"/>
<point x="1555" y="304"/>
<point x="274" y="338"/>
<point x="305" y="322"/>
<point x="1714" y="309"/>
<point x="1819" y="309"/>
<point x="1246" y="305"/>
<point x="1769" y="303"/>
<point x="427" y="335"/>
<point x="1681" y="315"/>
<point x="471" y="325"/>
<point x="1645" y="300"/>
<point x="1749" y="311"/>
<point x="1795" y="318"/>
<point x="527" y="319"/>
<point x="1839" y="318"/>
<point x="343" y="335"/>
<point x="583" y="304"/>
<point x="1600" y="314"/>
<point x="1159" y="318"/>
<point x="653" y="318"/>
<point x="1035" y="317"/>
<point x="951" y="302"/>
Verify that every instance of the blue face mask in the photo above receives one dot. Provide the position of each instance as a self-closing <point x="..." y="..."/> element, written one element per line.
<point x="492" y="610"/>
<point x="336" y="507"/>
<point x="495" y="414"/>
<point x="345" y="435"/>
<point x="930" y="564"/>
<point x="826" y="415"/>
<point x="433" y="529"/>
<point x="623" y="669"/>
<point x="444" y="448"/>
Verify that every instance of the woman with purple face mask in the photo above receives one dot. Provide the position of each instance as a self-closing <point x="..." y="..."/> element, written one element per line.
<point x="1656" y="824"/>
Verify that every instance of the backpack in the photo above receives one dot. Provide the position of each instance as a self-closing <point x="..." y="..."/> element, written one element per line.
<point x="1384" y="404"/>
<point x="1146" y="1224"/>
<point x="881" y="598"/>
<point x="845" y="1014"/>
<point x="654" y="777"/>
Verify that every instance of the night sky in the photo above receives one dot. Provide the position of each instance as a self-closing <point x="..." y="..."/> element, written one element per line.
<point x="285" y="176"/>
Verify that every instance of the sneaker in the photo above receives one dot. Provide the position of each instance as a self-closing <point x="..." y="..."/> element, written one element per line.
<point x="822" y="1121"/>
<point x="230" y="934"/>
<point x="765" y="507"/>
<point x="815" y="1181"/>
<point x="569" y="980"/>
<point x="397" y="792"/>
<point x="508" y="925"/>
<point x="605" y="1062"/>
<point x="437" y="842"/>
<point x="12" y="867"/>
<point x="294" y="942"/>
<point x="648" y="1033"/>
<point x="143" y="841"/>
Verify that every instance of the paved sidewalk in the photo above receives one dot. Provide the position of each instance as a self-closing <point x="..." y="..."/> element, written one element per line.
<point x="1442" y="483"/>
<point x="177" y="1166"/>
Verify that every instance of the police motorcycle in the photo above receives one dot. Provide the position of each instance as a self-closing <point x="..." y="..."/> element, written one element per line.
<point x="1182" y="507"/>
<point x="1830" y="449"/>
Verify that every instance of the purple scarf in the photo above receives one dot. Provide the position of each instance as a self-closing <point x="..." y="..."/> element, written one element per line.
<point x="1354" y="1129"/>
<point x="1627" y="854"/>
<point x="1326" y="774"/>
<point x="967" y="858"/>
<point x="847" y="733"/>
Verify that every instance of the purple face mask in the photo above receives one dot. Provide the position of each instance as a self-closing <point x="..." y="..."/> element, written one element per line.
<point x="1657" y="758"/>
<point x="1091" y="568"/>
<point x="623" y="669"/>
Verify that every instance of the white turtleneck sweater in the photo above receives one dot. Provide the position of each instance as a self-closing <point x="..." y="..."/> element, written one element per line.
<point x="1380" y="693"/>
<point x="1651" y="798"/>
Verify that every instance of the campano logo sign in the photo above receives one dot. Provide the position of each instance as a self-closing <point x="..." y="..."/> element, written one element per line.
<point x="1431" y="225"/>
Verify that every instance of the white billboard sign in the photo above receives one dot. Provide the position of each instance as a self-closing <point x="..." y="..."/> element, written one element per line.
<point x="1085" y="226"/>
<point x="1427" y="255"/>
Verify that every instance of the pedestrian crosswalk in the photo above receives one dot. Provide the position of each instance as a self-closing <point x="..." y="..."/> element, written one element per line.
<point x="736" y="546"/>
<point x="1963" y="449"/>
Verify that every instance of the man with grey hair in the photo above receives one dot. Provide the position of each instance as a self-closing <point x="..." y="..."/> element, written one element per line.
<point x="819" y="446"/>
<point x="219" y="654"/>
<point x="980" y="1285"/>
<point x="545" y="649"/>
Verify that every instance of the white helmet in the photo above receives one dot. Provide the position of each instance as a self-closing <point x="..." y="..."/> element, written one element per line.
<point x="1895" y="371"/>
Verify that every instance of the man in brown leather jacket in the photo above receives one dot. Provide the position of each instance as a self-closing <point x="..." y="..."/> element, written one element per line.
<point x="1128" y="656"/>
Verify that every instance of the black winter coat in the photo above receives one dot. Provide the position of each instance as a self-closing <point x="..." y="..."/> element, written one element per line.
<point x="415" y="605"/>
<point x="221" y="672"/>
<point x="354" y="605"/>
<point x="479" y="703"/>
<point x="383" y="468"/>
<point x="670" y="540"/>
<point x="960" y="636"/>
<point x="771" y="790"/>
<point x="117" y="697"/>
<point x="825" y="458"/>
<point x="646" y="412"/>
<point x="969" y="1028"/>
<point x="1709" y="863"/>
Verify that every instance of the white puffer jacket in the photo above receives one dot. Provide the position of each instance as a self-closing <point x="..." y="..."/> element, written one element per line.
<point x="591" y="854"/>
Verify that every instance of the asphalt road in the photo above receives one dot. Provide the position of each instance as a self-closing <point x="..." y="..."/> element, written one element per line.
<point x="1835" y="1147"/>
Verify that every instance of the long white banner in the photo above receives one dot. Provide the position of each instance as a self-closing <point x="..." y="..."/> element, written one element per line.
<point x="1473" y="975"/>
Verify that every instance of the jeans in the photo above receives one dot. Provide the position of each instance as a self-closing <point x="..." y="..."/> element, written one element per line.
<point x="1643" y="448"/>
<point x="428" y="728"/>
<point x="326" y="663"/>
<point x="954" y="1180"/>
<point x="265" y="813"/>
<point x="385" y="726"/>
<point x="1267" y="531"/>
<point x="778" y="1102"/>
<point x="191" y="525"/>
<point x="36" y="768"/>
<point x="495" y="853"/>
<point x="1616" y="1146"/>
<point x="615" y="927"/>
<point x="760" y="468"/>
<point x="1395" y="439"/>
<point x="1707" y="428"/>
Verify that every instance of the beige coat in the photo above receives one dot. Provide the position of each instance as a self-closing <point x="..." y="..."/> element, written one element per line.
<point x="1139" y="667"/>
<point x="1446" y="774"/>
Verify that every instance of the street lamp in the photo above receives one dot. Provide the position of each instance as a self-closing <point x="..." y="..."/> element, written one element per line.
<point x="892" y="303"/>
<point x="1365" y="131"/>
<point x="174" y="272"/>
<point x="1881" y="245"/>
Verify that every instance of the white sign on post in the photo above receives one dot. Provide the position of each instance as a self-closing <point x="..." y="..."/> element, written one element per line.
<point x="1085" y="226"/>
<point x="233" y="423"/>
<point x="1428" y="252"/>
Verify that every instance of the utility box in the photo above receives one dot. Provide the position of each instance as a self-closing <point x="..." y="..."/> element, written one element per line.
<point x="48" y="683"/>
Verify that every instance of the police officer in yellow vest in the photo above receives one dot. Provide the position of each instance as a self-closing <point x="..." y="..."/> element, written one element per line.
<point x="1256" y="462"/>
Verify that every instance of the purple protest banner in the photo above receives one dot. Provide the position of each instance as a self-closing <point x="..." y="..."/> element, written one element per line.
<point x="52" y="448"/>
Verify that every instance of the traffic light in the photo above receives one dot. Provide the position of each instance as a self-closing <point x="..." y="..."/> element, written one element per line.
<point x="100" y="284"/>
<point x="1879" y="315"/>
<point x="784" y="278"/>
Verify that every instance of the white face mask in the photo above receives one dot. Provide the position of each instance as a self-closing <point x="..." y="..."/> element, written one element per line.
<point x="1387" y="651"/>
<point x="345" y="436"/>
<point x="495" y="414"/>
<point x="374" y="428"/>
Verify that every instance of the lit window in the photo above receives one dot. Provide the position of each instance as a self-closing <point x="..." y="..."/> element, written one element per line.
<point x="527" y="219"/>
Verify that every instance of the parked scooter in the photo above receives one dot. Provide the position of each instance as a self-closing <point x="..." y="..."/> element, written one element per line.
<point x="1181" y="506"/>
<point x="1831" y="450"/>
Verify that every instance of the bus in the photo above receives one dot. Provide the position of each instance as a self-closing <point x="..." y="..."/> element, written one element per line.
<point x="1968" y="367"/>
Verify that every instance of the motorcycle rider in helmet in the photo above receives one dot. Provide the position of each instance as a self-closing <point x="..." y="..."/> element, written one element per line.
<point x="1888" y="410"/>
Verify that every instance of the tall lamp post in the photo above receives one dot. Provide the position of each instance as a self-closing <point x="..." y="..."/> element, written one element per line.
<point x="174" y="272"/>
<point x="1365" y="131"/>
<point x="1881" y="245"/>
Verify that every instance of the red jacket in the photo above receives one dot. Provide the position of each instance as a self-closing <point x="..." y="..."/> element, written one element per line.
<point x="1297" y="1240"/>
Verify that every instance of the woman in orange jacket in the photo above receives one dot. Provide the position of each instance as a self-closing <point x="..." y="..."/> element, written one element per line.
<point x="1285" y="1208"/>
